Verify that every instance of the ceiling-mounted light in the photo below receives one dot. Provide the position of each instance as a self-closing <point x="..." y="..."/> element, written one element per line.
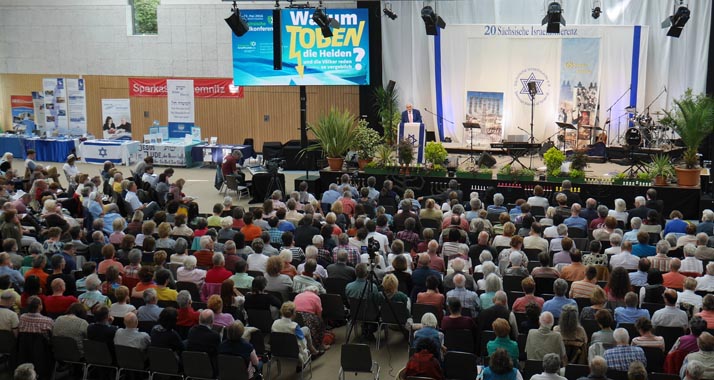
<point x="676" y="22"/>
<point x="554" y="17"/>
<point x="320" y="17"/>
<point x="237" y="23"/>
<point x="432" y="21"/>
<point x="388" y="11"/>
<point x="597" y="10"/>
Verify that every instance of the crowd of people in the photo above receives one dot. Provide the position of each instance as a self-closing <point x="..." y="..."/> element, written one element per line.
<point x="133" y="263"/>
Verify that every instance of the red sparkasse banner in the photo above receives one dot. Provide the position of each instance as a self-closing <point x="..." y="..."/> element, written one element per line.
<point x="203" y="87"/>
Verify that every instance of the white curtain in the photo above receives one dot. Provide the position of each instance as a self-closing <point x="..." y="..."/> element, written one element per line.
<point x="678" y="64"/>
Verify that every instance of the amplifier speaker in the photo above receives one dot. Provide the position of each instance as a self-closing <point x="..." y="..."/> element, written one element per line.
<point x="486" y="160"/>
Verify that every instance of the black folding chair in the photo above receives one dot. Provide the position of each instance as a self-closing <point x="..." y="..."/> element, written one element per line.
<point x="460" y="365"/>
<point x="631" y="329"/>
<point x="544" y="285"/>
<point x="532" y="367"/>
<point x="366" y="313"/>
<point x="512" y="283"/>
<point x="398" y="318"/>
<point x="583" y="303"/>
<point x="163" y="361"/>
<point x="333" y="309"/>
<point x="357" y="358"/>
<point x="284" y="346"/>
<point x="97" y="354"/>
<point x="197" y="365"/>
<point x="663" y="376"/>
<point x="260" y="319"/>
<point x="232" y="368"/>
<point x="616" y="375"/>
<point x="655" y="359"/>
<point x="130" y="359"/>
<point x="652" y="307"/>
<point x="191" y="287"/>
<point x="419" y="309"/>
<point x="65" y="350"/>
<point x="669" y="334"/>
<point x="459" y="340"/>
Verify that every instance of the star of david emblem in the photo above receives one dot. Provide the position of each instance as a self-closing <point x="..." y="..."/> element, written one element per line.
<point x="102" y="152"/>
<point x="412" y="139"/>
<point x="531" y="78"/>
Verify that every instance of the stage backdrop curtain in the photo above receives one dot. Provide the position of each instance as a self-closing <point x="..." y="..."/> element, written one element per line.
<point x="409" y="59"/>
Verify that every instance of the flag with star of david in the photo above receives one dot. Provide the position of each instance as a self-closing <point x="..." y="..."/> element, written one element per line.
<point x="414" y="133"/>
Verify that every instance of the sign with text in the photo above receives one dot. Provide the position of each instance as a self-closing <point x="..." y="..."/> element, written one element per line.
<point x="202" y="88"/>
<point x="55" y="106"/>
<point x="116" y="116"/>
<point x="181" y="101"/>
<point x="308" y="58"/>
<point x="77" y="96"/>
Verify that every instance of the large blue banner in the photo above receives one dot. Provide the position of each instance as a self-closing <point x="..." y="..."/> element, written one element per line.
<point x="307" y="57"/>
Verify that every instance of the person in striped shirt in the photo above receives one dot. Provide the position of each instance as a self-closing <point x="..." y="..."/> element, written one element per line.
<point x="647" y="338"/>
<point x="585" y="288"/>
<point x="661" y="261"/>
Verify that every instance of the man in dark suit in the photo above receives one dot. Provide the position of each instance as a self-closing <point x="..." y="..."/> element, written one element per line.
<point x="340" y="270"/>
<point x="640" y="210"/>
<point x="202" y="338"/>
<point x="498" y="310"/>
<point x="411" y="115"/>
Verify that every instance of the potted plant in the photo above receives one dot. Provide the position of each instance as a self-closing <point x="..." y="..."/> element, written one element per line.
<point x="526" y="174"/>
<point x="335" y="134"/>
<point x="386" y="104"/>
<point x="579" y="160"/>
<point x="435" y="154"/>
<point x="477" y="173"/>
<point x="405" y="152"/>
<point x="619" y="178"/>
<point x="661" y="169"/>
<point x="383" y="160"/>
<point x="366" y="142"/>
<point x="693" y="120"/>
<point x="576" y="175"/>
<point x="553" y="159"/>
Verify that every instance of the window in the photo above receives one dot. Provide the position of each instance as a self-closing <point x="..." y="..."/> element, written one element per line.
<point x="143" y="14"/>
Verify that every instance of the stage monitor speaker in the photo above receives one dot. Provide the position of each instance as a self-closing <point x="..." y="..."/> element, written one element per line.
<point x="430" y="136"/>
<point x="486" y="160"/>
<point x="277" y="41"/>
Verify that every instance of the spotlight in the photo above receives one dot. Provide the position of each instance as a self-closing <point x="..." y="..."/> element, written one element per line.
<point x="676" y="22"/>
<point x="554" y="18"/>
<point x="432" y="21"/>
<point x="324" y="22"/>
<point x="597" y="11"/>
<point x="237" y="23"/>
<point x="388" y="11"/>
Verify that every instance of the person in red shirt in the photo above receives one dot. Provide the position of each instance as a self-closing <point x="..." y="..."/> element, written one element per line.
<point x="38" y="269"/>
<point x="250" y="230"/>
<point x="230" y="165"/>
<point x="424" y="362"/>
<point x="218" y="273"/>
<point x="187" y="317"/>
<point x="674" y="279"/>
<point x="204" y="256"/>
<point x="57" y="303"/>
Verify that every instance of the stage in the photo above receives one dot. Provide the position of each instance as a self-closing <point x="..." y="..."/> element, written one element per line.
<point x="686" y="200"/>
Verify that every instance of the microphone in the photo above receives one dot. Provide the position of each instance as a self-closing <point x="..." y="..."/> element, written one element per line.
<point x="532" y="90"/>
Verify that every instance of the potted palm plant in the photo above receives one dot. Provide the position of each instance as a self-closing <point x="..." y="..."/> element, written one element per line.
<point x="366" y="142"/>
<point x="693" y="120"/>
<point x="335" y="134"/>
<point x="661" y="169"/>
<point x="387" y="107"/>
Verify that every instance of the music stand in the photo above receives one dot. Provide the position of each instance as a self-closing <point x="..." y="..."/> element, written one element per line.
<point x="472" y="126"/>
<point x="564" y="126"/>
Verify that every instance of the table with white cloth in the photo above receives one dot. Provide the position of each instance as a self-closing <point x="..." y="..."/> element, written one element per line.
<point x="170" y="153"/>
<point x="55" y="149"/>
<point x="123" y="152"/>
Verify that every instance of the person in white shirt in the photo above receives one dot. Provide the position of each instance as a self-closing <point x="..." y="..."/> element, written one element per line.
<point x="556" y="245"/>
<point x="691" y="264"/>
<point x="688" y="295"/>
<point x="380" y="238"/>
<point x="257" y="260"/>
<point x="133" y="200"/>
<point x="538" y="199"/>
<point x="670" y="315"/>
<point x="70" y="169"/>
<point x="625" y="258"/>
<point x="615" y="241"/>
<point x="534" y="240"/>
<point x="148" y="176"/>
<point x="631" y="235"/>
<point x="706" y="282"/>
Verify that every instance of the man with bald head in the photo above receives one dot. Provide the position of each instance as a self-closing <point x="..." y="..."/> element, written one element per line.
<point x="435" y="261"/>
<point x="130" y="335"/>
<point x="458" y="265"/>
<point x="544" y="340"/>
<point x="674" y="279"/>
<point x="411" y="115"/>
<point x="589" y="213"/>
<point x="202" y="338"/>
<point x="469" y="299"/>
<point x="421" y="273"/>
<point x="480" y="246"/>
<point x="670" y="315"/>
<point x="499" y="309"/>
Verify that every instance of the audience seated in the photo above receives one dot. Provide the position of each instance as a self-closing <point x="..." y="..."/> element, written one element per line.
<point x="703" y="356"/>
<point x="630" y="313"/>
<point x="551" y="368"/>
<point x="425" y="360"/>
<point x="619" y="357"/>
<point x="598" y="369"/>
<point x="502" y="328"/>
<point x="528" y="286"/>
<point x="554" y="305"/>
<point x="237" y="346"/>
<point x="130" y="336"/>
<point x="499" y="309"/>
<point x="573" y="334"/>
<point x="647" y="338"/>
<point x="543" y="340"/>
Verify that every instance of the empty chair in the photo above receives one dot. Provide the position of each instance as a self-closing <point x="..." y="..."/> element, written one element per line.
<point x="663" y="376"/>
<point x="532" y="367"/>
<point x="669" y="334"/>
<point x="333" y="308"/>
<point x="419" y="309"/>
<point x="97" y="354"/>
<point x="512" y="283"/>
<point x="163" y="361"/>
<point x="655" y="359"/>
<point x="357" y="358"/>
<point x="398" y="318"/>
<point x="630" y="327"/>
<point x="191" y="287"/>
<point x="197" y="365"/>
<point x="231" y="368"/>
<point x="364" y="312"/>
<point x="285" y="346"/>
<point x="459" y="340"/>
<point x="460" y="365"/>
<point x="130" y="359"/>
<point x="576" y="371"/>
<point x="260" y="319"/>
<point x="66" y="351"/>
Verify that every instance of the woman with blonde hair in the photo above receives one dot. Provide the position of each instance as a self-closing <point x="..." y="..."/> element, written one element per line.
<point x="342" y="220"/>
<point x="165" y="241"/>
<point x="118" y="231"/>
<point x="390" y="284"/>
<point x="134" y="227"/>
<point x="430" y="211"/>
<point x="598" y="301"/>
<point x="220" y="318"/>
<point x="286" y="325"/>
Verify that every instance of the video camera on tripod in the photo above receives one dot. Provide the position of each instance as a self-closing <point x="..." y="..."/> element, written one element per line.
<point x="273" y="165"/>
<point x="371" y="249"/>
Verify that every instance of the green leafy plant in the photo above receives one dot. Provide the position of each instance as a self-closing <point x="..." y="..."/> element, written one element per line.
<point x="576" y="173"/>
<point x="386" y="104"/>
<point x="693" y="120"/>
<point x="383" y="156"/>
<point x="366" y="140"/>
<point x="553" y="159"/>
<point x="145" y="19"/>
<point x="578" y="160"/>
<point x="644" y="176"/>
<point x="505" y="170"/>
<point x="526" y="172"/>
<point x="660" y="166"/>
<point x="485" y="170"/>
<point x="435" y="153"/>
<point x="620" y="176"/>
<point x="405" y="151"/>
<point x="335" y="133"/>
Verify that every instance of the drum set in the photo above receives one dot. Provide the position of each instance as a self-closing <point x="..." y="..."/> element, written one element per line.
<point x="646" y="131"/>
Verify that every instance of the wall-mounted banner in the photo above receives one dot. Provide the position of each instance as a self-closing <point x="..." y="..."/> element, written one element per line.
<point x="308" y="58"/>
<point x="181" y="101"/>
<point x="119" y="111"/>
<point x="202" y="88"/>
<point x="55" y="97"/>
<point x="22" y="109"/>
<point x="77" y="97"/>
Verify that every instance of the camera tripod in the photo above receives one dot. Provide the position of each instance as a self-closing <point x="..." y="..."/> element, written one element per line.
<point x="371" y="277"/>
<point x="274" y="184"/>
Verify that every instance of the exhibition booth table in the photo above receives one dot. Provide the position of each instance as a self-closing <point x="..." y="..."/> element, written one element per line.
<point x="123" y="152"/>
<point x="170" y="153"/>
<point x="51" y="149"/>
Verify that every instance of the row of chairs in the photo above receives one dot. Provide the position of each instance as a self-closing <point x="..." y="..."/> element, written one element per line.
<point x="576" y="371"/>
